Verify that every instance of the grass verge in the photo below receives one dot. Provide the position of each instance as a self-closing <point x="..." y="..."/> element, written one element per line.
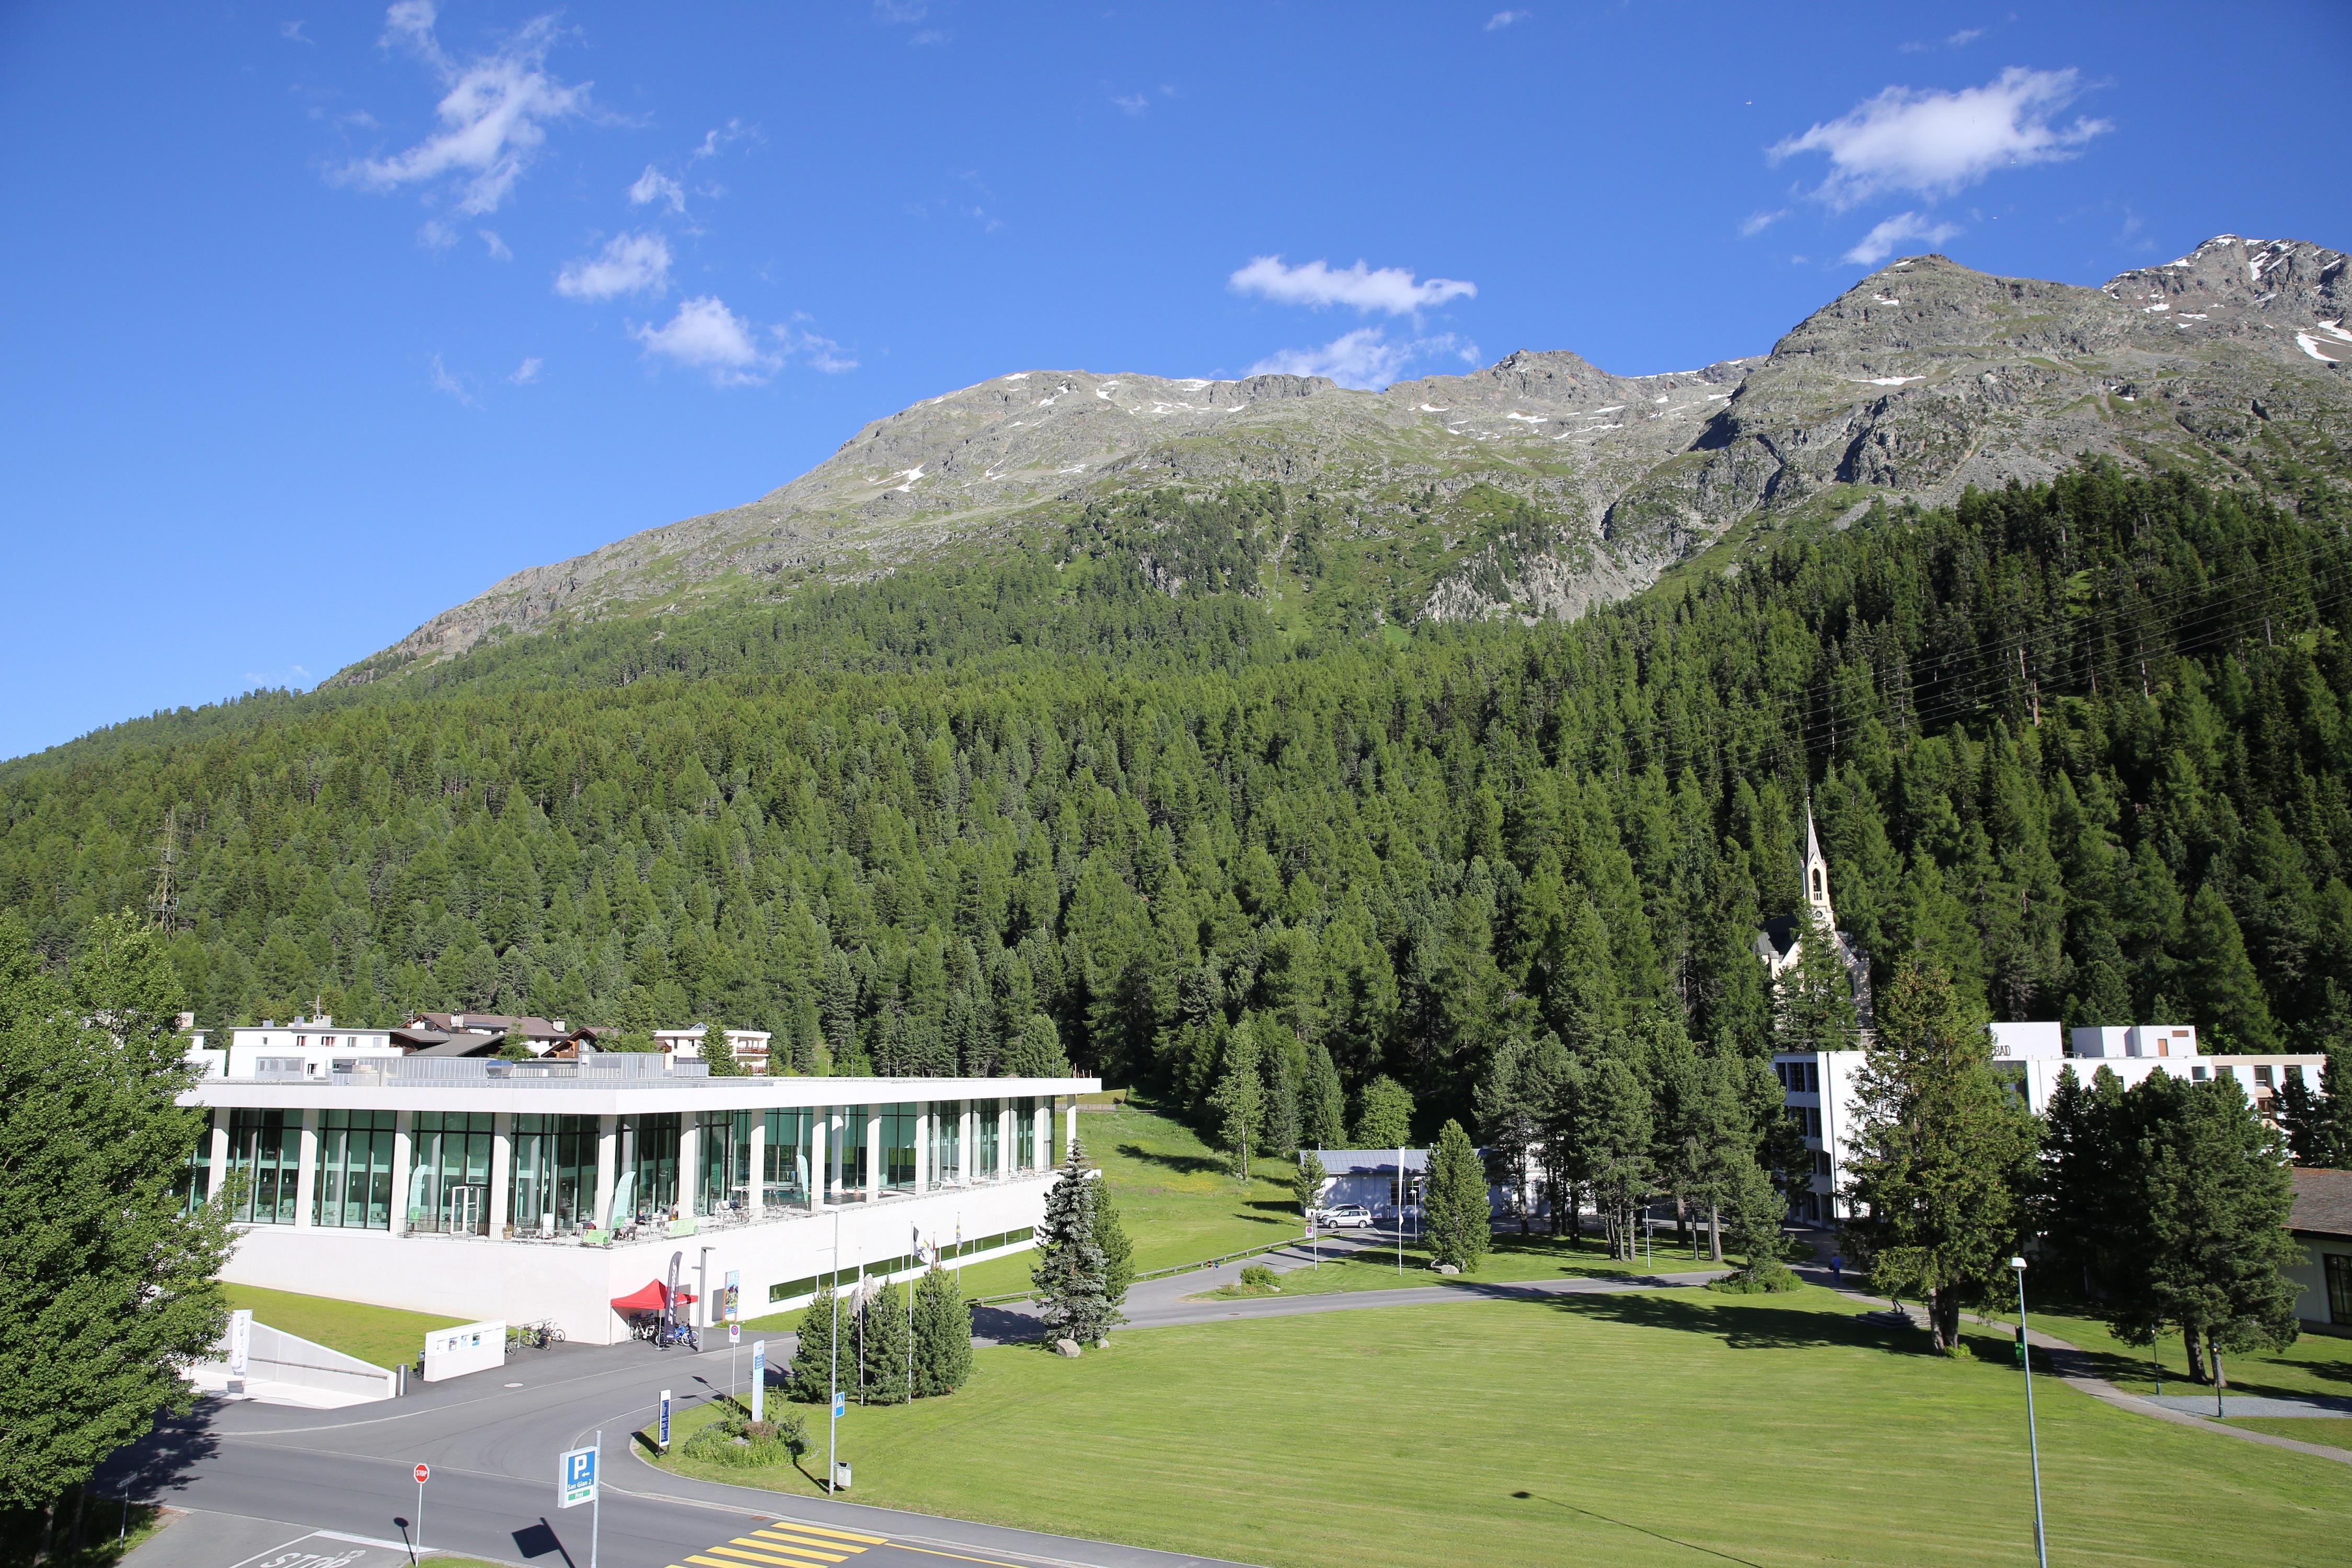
<point x="2315" y="1364"/>
<point x="386" y="1336"/>
<point x="1515" y="1260"/>
<point x="1667" y="1427"/>
<point x="2336" y="1431"/>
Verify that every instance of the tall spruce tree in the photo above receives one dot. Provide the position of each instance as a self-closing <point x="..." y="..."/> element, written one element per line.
<point x="2216" y="1194"/>
<point x="1071" y="1275"/>
<point x="1385" y="1119"/>
<point x="942" y="1334"/>
<point x="2319" y="1125"/>
<point x="1940" y="1157"/>
<point x="1118" y="1250"/>
<point x="111" y="1273"/>
<point x="1512" y="1125"/>
<point x="1613" y="1131"/>
<point x="886" y="1346"/>
<point x="1324" y="1114"/>
<point x="1459" y="1233"/>
<point x="1240" y="1098"/>
<point x="815" y="1364"/>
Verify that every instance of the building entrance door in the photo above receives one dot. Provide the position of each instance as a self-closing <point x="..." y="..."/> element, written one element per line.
<point x="467" y="1210"/>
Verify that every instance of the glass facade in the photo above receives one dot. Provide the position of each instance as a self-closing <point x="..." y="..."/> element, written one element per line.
<point x="786" y="1178"/>
<point x="898" y="1125"/>
<point x="947" y="1142"/>
<point x="2339" y="1288"/>
<point x="644" y="1186"/>
<point x="264" y="1159"/>
<point x="1024" y="1133"/>
<point x="353" y="1188"/>
<point x="449" y="1173"/>
<point x="192" y="1184"/>
<point x="726" y="1185"/>
<point x="849" y="1152"/>
<point x="987" y="1137"/>
<point x="553" y="1184"/>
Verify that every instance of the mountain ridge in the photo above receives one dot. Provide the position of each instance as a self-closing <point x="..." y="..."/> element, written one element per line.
<point x="1921" y="379"/>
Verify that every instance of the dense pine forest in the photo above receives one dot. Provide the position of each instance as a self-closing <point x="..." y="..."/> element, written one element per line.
<point x="2086" y="745"/>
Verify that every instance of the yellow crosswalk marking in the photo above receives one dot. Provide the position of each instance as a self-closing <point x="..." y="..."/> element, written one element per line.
<point x="765" y="1552"/>
<point x="779" y="1538"/>
<point x="836" y="1534"/>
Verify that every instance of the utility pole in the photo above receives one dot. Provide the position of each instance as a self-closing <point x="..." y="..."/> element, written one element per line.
<point x="2032" y="1441"/>
<point x="165" y="901"/>
<point x="833" y="1352"/>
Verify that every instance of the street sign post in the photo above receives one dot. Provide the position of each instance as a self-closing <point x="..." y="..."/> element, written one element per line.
<point x="759" y="1379"/>
<point x="575" y="1478"/>
<point x="838" y="1401"/>
<point x="664" y="1421"/>
<point x="423" y="1474"/>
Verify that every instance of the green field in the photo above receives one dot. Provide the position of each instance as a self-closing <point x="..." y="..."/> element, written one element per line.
<point x="1671" y="1426"/>
<point x="2336" y="1431"/>
<point x="1175" y="1197"/>
<point x="383" y="1335"/>
<point x="2315" y="1364"/>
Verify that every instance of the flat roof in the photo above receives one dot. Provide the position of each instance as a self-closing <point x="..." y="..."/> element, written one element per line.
<point x="599" y="1096"/>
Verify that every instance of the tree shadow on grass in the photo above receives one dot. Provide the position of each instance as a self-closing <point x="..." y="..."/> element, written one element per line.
<point x="1636" y="1529"/>
<point x="1183" y="1164"/>
<point x="1739" y="1327"/>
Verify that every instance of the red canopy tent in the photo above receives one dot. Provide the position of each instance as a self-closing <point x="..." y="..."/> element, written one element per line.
<point x="653" y="1297"/>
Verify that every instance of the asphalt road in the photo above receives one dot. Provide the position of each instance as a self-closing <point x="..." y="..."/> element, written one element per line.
<point x="492" y="1439"/>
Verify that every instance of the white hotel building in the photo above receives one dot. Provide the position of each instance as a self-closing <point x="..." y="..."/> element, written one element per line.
<point x="483" y="1189"/>
<point x="1819" y="1086"/>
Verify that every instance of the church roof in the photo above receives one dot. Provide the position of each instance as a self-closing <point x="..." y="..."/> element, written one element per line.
<point x="1812" y="840"/>
<point x="1782" y="931"/>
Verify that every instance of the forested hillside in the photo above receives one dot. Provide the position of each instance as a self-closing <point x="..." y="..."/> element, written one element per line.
<point x="2088" y="746"/>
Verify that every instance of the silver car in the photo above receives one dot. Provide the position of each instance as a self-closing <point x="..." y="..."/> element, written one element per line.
<point x="1347" y="1216"/>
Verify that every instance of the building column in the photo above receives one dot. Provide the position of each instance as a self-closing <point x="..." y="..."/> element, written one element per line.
<point x="501" y="1172"/>
<point x="755" y="1202"/>
<point x="1069" y="1127"/>
<point x="872" y="1151"/>
<point x="964" y="1163"/>
<point x="1041" y="1118"/>
<point x="690" y="1164"/>
<point x="306" y="1180"/>
<point x="404" y="1138"/>
<point x="608" y="1141"/>
<point x="216" y="1175"/>
<point x="923" y="1111"/>
<point x="1008" y="1143"/>
<point x="820" y="1141"/>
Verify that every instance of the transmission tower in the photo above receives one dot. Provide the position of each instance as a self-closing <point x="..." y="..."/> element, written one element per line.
<point x="167" y="900"/>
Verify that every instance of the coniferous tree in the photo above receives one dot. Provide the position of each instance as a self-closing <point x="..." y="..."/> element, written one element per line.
<point x="2319" y="1125"/>
<point x="718" y="1054"/>
<point x="1459" y="1232"/>
<point x="942" y="1334"/>
<point x="1512" y="1123"/>
<point x="815" y="1364"/>
<point x="1240" y="1098"/>
<point x="1938" y="1164"/>
<point x="2223" y="989"/>
<point x="110" y="1271"/>
<point x="1071" y="1275"/>
<point x="1815" y="1006"/>
<point x="1119" y="1252"/>
<point x="1614" y="1129"/>
<point x="1306" y="1185"/>
<point x="1385" y="1119"/>
<point x="886" y="1347"/>
<point x="1324" y="1113"/>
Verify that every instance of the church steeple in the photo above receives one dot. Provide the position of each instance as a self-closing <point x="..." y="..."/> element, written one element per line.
<point x="1817" y="873"/>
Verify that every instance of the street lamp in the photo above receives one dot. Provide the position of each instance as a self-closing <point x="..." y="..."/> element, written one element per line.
<point x="2032" y="1442"/>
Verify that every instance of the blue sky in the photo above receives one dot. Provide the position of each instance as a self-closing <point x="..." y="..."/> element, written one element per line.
<point x="321" y="322"/>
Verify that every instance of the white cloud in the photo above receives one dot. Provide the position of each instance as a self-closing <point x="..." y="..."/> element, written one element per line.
<point x="629" y="264"/>
<point x="1502" y="19"/>
<point x="1133" y="103"/>
<point x="706" y="335"/>
<point x="435" y="235"/>
<point x="1367" y="357"/>
<point x="525" y="372"/>
<point x="1755" y="224"/>
<point x="443" y="382"/>
<point x="494" y="114"/>
<point x="1891" y="236"/>
<point x="653" y="186"/>
<point x="498" y="248"/>
<point x="716" y="139"/>
<point x="1934" y="144"/>
<point x="818" y="353"/>
<point x="292" y="33"/>
<point x="1963" y="38"/>
<point x="1390" y="288"/>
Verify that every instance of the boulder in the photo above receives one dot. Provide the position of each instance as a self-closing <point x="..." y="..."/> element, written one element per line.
<point x="1447" y="1268"/>
<point x="1066" y="1347"/>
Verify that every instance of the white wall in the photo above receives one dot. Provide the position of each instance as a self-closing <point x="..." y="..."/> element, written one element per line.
<point x="2310" y="1276"/>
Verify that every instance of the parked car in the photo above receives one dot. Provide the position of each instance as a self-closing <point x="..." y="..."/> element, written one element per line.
<point x="1347" y="1216"/>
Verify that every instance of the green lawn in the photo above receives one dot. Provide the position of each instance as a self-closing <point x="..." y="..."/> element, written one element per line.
<point x="1668" y="1428"/>
<point x="383" y="1335"/>
<point x="2332" y="1430"/>
<point x="1514" y="1260"/>
<point x="1175" y="1197"/>
<point x="2315" y="1364"/>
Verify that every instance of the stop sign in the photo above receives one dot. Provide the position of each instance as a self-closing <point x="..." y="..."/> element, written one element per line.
<point x="423" y="1474"/>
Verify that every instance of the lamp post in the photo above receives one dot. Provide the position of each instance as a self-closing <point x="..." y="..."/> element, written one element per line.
<point x="2032" y="1441"/>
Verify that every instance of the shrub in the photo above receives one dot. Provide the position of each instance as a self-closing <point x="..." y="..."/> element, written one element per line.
<point x="749" y="1445"/>
<point x="1259" y="1276"/>
<point x="1765" y="1276"/>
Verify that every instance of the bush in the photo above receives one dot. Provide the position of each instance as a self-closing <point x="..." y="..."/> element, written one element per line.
<point x="749" y="1445"/>
<point x="1765" y="1276"/>
<point x="1259" y="1276"/>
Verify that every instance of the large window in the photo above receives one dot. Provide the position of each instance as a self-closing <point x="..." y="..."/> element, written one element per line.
<point x="193" y="1183"/>
<point x="849" y="1152"/>
<point x="2339" y="1288"/>
<point x="726" y="1162"/>
<point x="988" y="1122"/>
<point x="947" y="1142"/>
<point x="554" y="1179"/>
<point x="786" y="1178"/>
<point x="354" y="1180"/>
<point x="1024" y="1133"/>
<point x="449" y="1173"/>
<point x="646" y="1184"/>
<point x="264" y="1159"/>
<point x="898" y="1124"/>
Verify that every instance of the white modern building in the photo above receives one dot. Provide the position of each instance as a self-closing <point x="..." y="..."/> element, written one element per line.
<point x="1818" y="1087"/>
<point x="482" y="1189"/>
<point x="307" y="1047"/>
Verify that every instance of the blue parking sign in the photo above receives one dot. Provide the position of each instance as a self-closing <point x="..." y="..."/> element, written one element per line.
<point x="577" y="1477"/>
